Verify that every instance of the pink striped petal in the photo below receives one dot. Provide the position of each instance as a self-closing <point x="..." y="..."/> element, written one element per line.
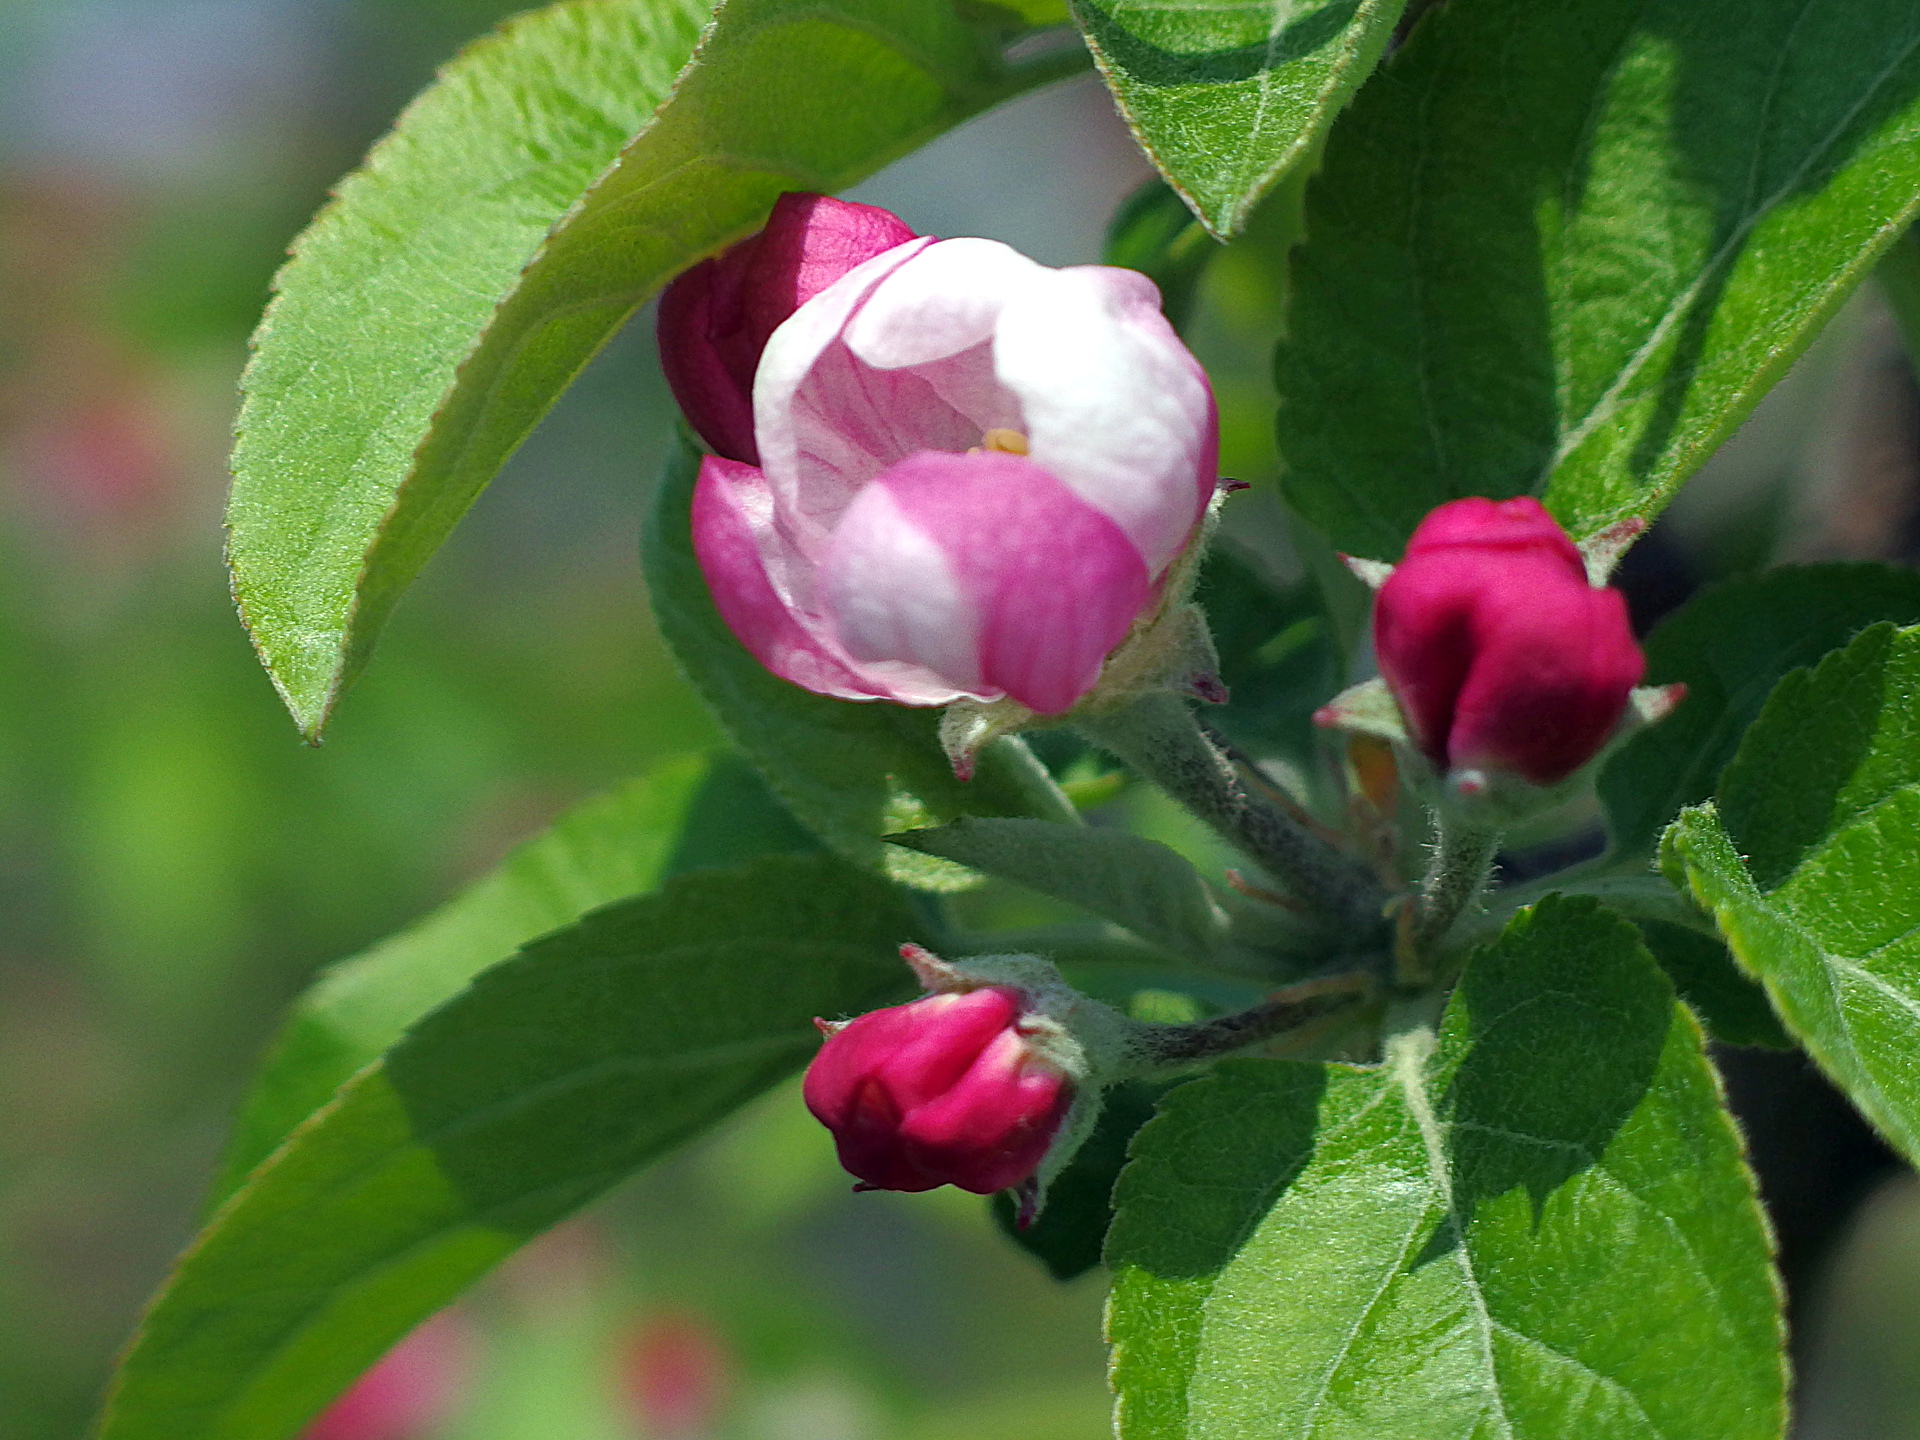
<point x="949" y="299"/>
<point x="1115" y="405"/>
<point x="812" y="469"/>
<point x="751" y="572"/>
<point x="715" y="318"/>
<point x="988" y="571"/>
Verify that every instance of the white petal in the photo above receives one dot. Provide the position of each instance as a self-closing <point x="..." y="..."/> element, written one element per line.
<point x="1114" y="404"/>
<point x="791" y="353"/>
<point x="946" y="299"/>
<point x="893" y="596"/>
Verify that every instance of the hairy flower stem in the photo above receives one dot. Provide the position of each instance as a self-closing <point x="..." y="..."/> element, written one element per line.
<point x="1161" y="739"/>
<point x="1286" y="1012"/>
<point x="1462" y="858"/>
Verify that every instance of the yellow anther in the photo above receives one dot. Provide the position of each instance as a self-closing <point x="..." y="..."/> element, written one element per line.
<point x="1009" y="442"/>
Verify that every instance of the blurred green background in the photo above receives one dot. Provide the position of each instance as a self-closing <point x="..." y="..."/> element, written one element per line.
<point x="174" y="865"/>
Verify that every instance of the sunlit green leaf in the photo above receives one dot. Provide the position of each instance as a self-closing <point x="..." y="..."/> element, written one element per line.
<point x="551" y="1077"/>
<point x="1564" y="250"/>
<point x="1228" y="97"/>
<point x="1809" y="858"/>
<point x="1511" y="1232"/>
<point x="519" y="213"/>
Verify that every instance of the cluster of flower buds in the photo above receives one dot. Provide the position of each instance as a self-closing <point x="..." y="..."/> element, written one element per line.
<point x="941" y="471"/>
<point x="943" y="474"/>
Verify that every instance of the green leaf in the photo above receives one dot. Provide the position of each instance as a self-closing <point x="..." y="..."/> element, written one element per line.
<point x="1731" y="645"/>
<point x="552" y="179"/>
<point x="1807" y="859"/>
<point x="551" y="1077"/>
<point x="852" y="772"/>
<point x="1731" y="1005"/>
<point x="1512" y="1233"/>
<point x="1563" y="251"/>
<point x="1280" y="658"/>
<point x="684" y="814"/>
<point x="1137" y="883"/>
<point x="1228" y="98"/>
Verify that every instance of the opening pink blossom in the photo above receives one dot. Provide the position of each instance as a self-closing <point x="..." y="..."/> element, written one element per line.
<point x="973" y="471"/>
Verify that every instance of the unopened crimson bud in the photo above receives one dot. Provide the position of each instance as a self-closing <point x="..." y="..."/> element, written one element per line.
<point x="1503" y="657"/>
<point x="715" y="319"/>
<point x="949" y="1090"/>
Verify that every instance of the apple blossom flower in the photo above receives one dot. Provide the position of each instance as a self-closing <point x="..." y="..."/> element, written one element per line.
<point x="948" y="1090"/>
<point x="1503" y="656"/>
<point x="974" y="473"/>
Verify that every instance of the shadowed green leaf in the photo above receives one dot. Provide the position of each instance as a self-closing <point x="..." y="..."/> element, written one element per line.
<point x="1228" y="97"/>
<point x="1563" y="250"/>
<point x="1137" y="883"/>
<point x="552" y="179"/>
<point x="551" y="1077"/>
<point x="1509" y="1233"/>
<point x="1731" y="1004"/>
<point x="853" y="772"/>
<point x="686" y="814"/>
<point x="1731" y="645"/>
<point x="1280" y="657"/>
<point x="1809" y="859"/>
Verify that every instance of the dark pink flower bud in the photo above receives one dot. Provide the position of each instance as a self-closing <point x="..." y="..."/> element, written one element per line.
<point x="715" y="319"/>
<point x="945" y="1091"/>
<point x="1502" y="655"/>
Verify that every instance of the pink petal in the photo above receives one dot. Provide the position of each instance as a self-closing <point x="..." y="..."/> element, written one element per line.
<point x="810" y="242"/>
<point x="710" y="378"/>
<point x="716" y="318"/>
<point x="753" y="575"/>
<point x="1548" y="683"/>
<point x="1519" y="524"/>
<point x="1501" y="653"/>
<point x="946" y="299"/>
<point x="791" y="355"/>
<point x="1115" y="405"/>
<point x="889" y="361"/>
<point x="987" y="570"/>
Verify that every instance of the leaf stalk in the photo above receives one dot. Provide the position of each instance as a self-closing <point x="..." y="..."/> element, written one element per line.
<point x="1160" y="737"/>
